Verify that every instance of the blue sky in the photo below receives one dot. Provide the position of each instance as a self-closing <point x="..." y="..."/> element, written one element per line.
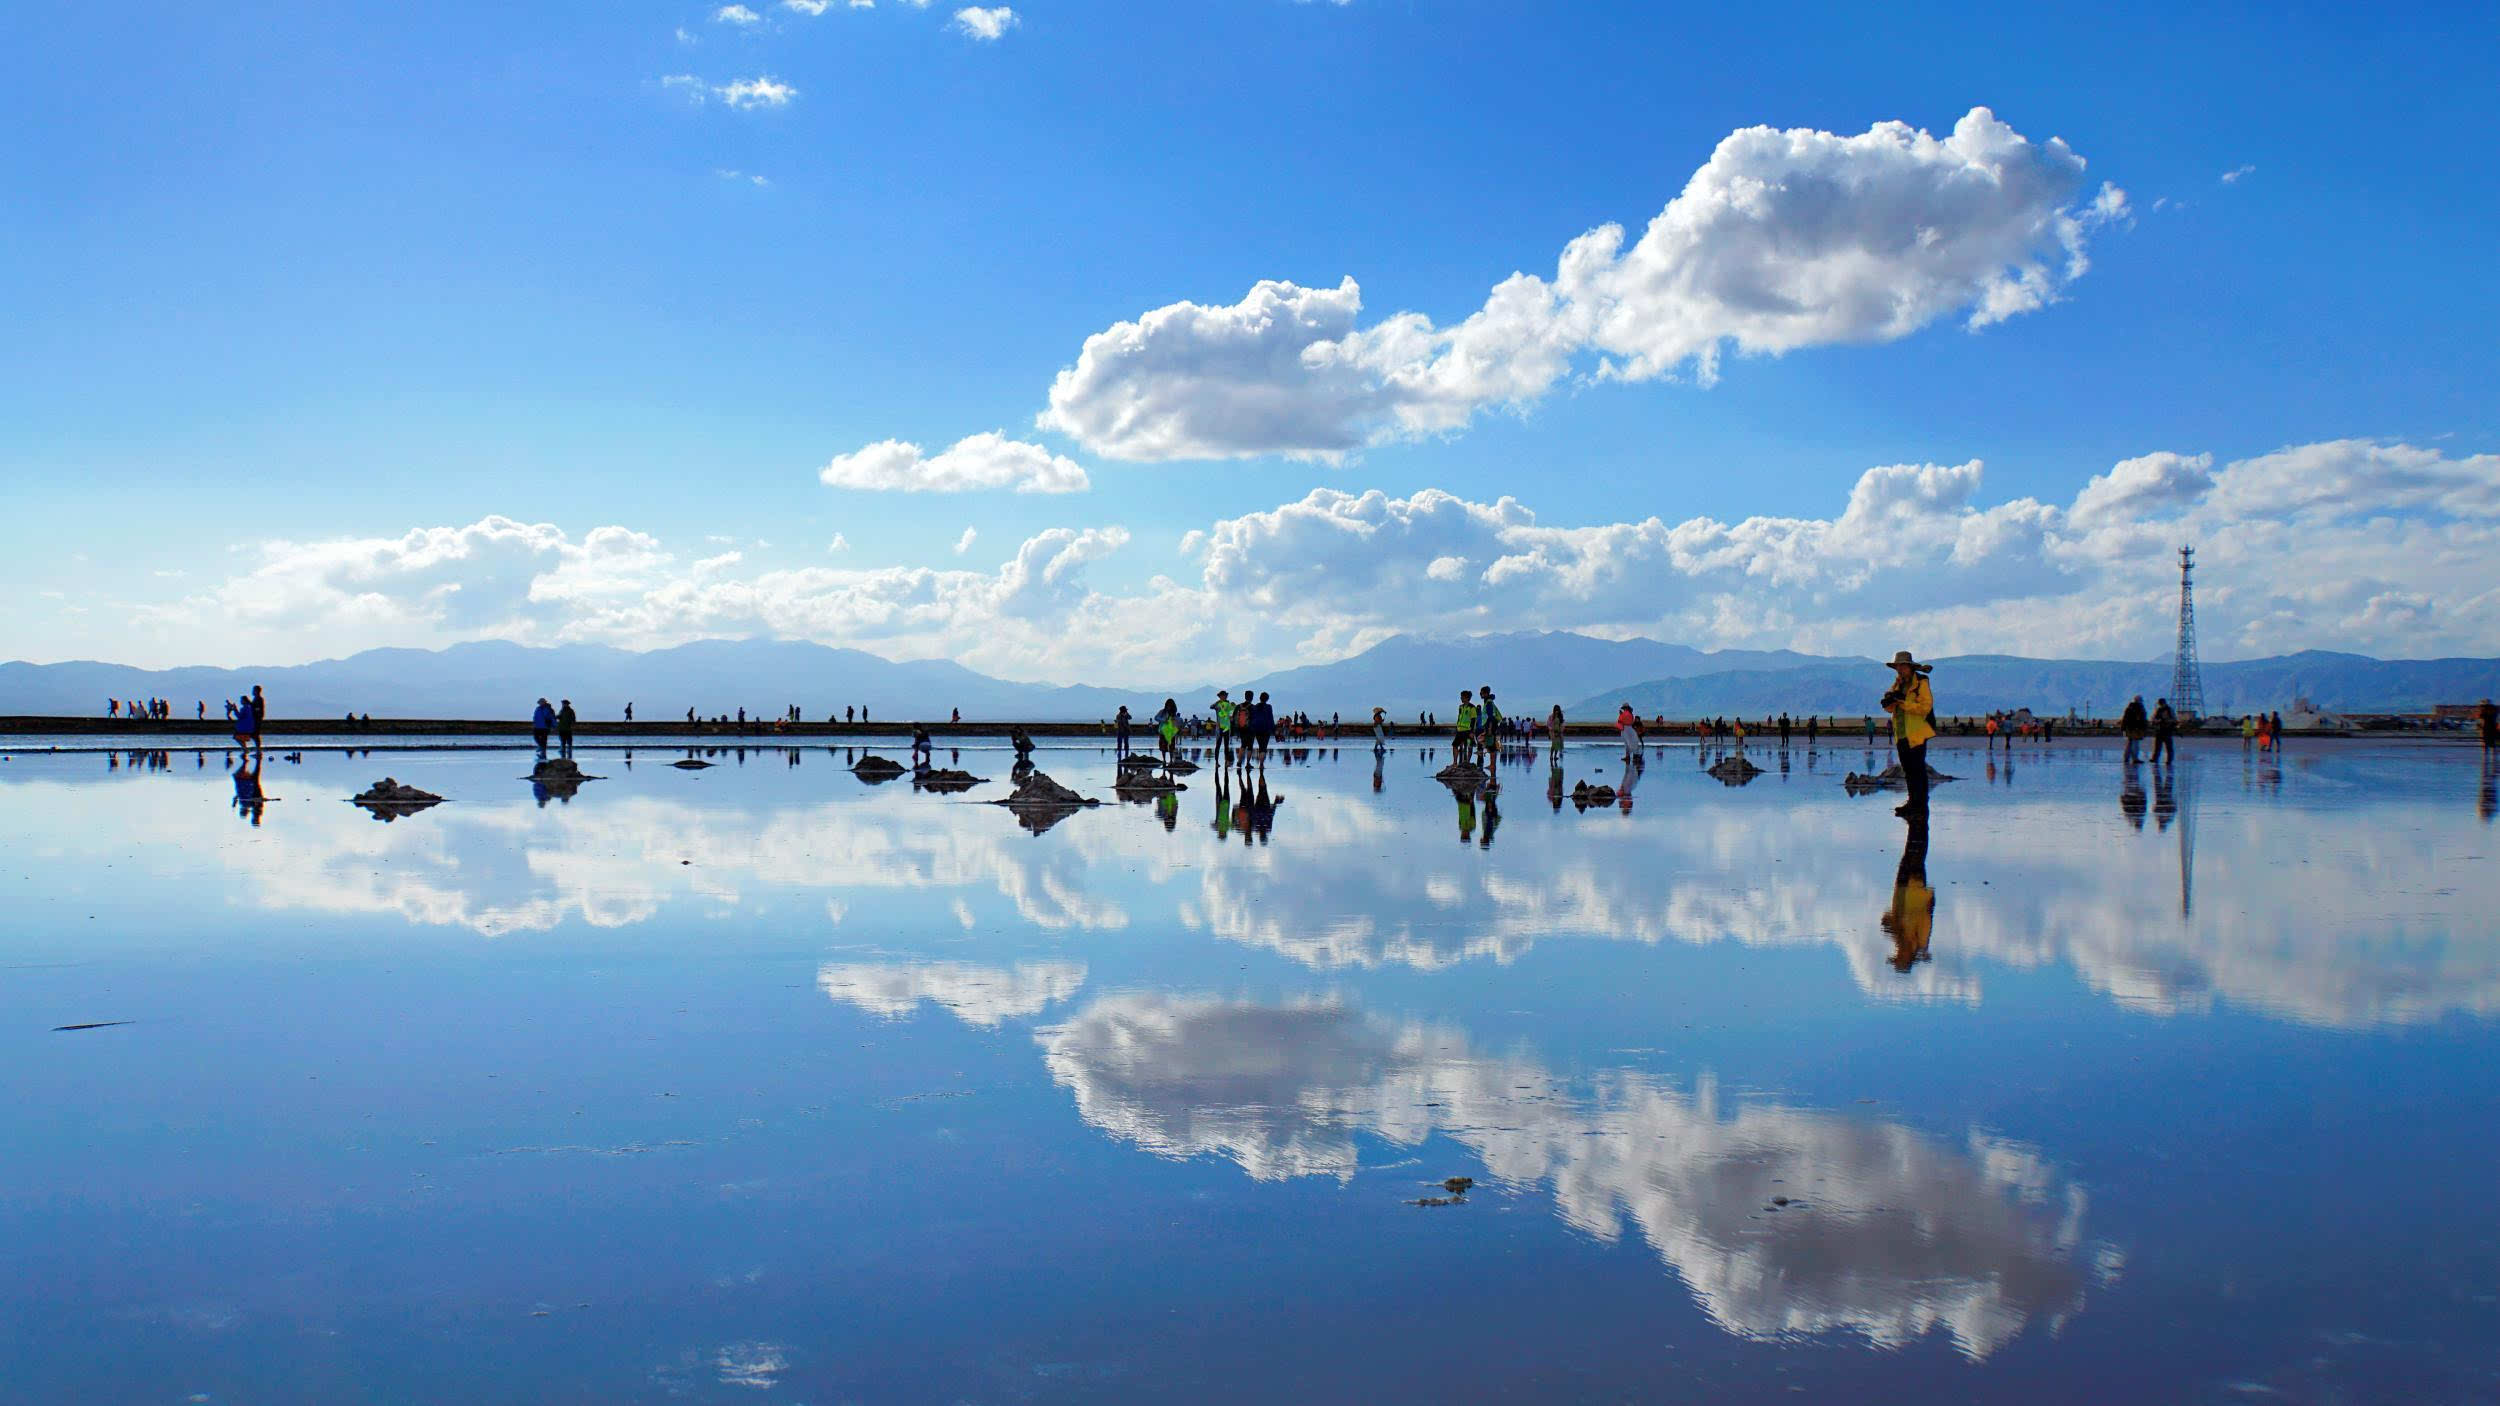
<point x="305" y="302"/>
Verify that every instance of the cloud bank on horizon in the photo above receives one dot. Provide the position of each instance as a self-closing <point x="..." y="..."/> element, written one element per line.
<point x="2348" y="543"/>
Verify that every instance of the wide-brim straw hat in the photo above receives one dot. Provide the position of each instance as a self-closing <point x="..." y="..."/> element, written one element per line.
<point x="1903" y="660"/>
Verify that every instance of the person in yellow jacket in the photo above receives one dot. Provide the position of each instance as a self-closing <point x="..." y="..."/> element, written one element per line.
<point x="1912" y="704"/>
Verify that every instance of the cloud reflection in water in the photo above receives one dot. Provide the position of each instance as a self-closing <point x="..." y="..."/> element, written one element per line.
<point x="977" y="995"/>
<point x="2343" y="911"/>
<point x="1900" y="1233"/>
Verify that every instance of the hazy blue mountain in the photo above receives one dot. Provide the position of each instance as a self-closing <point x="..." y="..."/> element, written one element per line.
<point x="1405" y="674"/>
<point x="1983" y="683"/>
<point x="489" y="680"/>
<point x="1530" y="672"/>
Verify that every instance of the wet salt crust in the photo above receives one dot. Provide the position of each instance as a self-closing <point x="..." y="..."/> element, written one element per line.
<point x="1350" y="1085"/>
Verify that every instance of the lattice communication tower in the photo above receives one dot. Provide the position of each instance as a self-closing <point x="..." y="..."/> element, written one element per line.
<point x="2187" y="678"/>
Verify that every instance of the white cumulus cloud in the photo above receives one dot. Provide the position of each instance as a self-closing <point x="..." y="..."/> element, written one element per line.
<point x="985" y="22"/>
<point x="980" y="461"/>
<point x="1782" y="240"/>
<point x="743" y="94"/>
<point x="756" y="92"/>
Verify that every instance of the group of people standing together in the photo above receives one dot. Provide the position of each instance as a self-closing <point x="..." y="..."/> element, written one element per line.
<point x="1479" y="725"/>
<point x="154" y="710"/>
<point x="246" y="714"/>
<point x="1242" y="731"/>
<point x="2264" y="731"/>
<point x="560" y="720"/>
<point x="2162" y="723"/>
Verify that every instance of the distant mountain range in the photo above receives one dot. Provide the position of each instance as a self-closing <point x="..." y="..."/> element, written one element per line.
<point x="494" y="680"/>
<point x="1529" y="671"/>
<point x="1982" y="683"/>
<point x="1405" y="674"/>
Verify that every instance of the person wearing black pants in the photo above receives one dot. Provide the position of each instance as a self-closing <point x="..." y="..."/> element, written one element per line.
<point x="1912" y="704"/>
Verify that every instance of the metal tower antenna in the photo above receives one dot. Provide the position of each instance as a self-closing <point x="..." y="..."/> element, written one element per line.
<point x="2187" y="678"/>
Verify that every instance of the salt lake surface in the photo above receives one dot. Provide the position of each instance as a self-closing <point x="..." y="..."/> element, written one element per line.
<point x="762" y="1083"/>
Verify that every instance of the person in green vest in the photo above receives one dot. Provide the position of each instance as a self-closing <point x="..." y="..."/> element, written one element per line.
<point x="1168" y="729"/>
<point x="1223" y="710"/>
<point x="1463" y="734"/>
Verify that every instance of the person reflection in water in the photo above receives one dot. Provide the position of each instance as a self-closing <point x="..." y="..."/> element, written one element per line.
<point x="2165" y="799"/>
<point x="1466" y="816"/>
<point x="1262" y="817"/>
<point x="248" y="797"/>
<point x="2131" y="794"/>
<point x="1911" y="920"/>
<point x="1492" y="819"/>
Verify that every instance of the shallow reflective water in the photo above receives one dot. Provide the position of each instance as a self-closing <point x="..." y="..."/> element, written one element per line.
<point x="762" y="1082"/>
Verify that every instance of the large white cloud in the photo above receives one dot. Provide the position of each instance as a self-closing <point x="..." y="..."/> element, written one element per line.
<point x="2349" y="544"/>
<point x="535" y="583"/>
<point x="1782" y="240"/>
<point x="980" y="461"/>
